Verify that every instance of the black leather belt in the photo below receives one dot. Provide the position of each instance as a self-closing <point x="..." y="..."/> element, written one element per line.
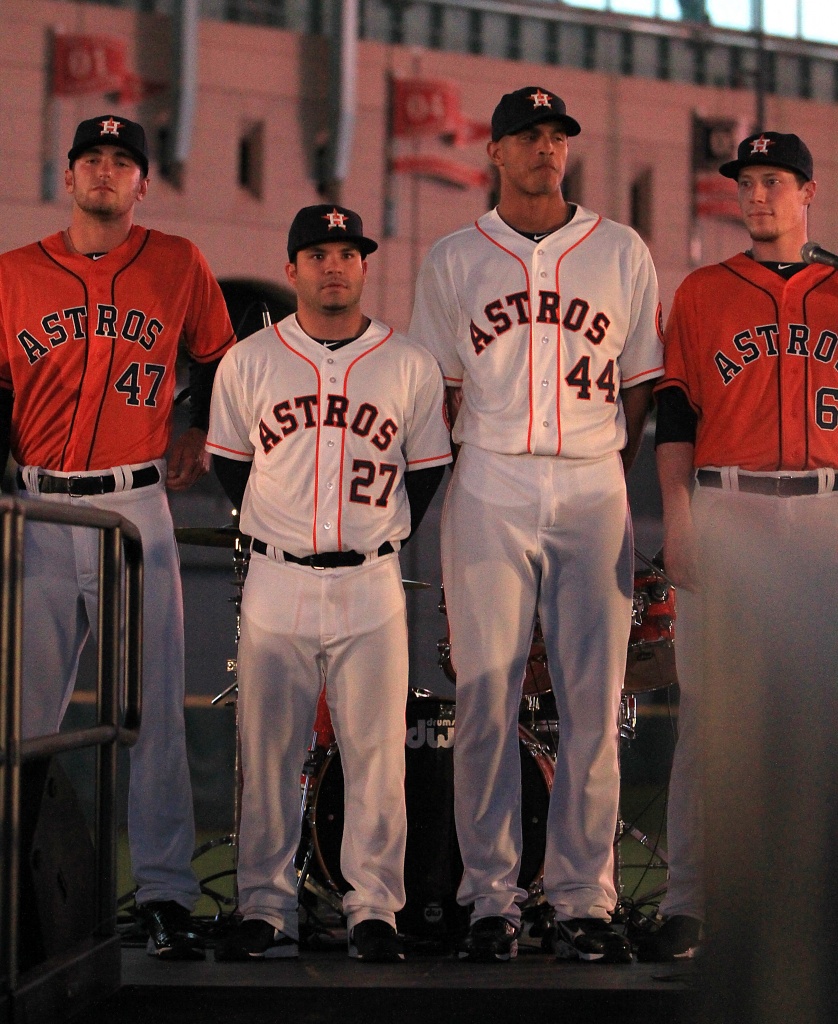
<point x="777" y="486"/>
<point x="85" y="486"/>
<point x="329" y="559"/>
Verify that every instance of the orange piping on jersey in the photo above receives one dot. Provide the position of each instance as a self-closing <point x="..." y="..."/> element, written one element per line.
<point x="584" y="238"/>
<point x="529" y="357"/>
<point x="305" y="359"/>
<point x="639" y="376"/>
<point x="432" y="458"/>
<point x="350" y="367"/>
<point x="233" y="451"/>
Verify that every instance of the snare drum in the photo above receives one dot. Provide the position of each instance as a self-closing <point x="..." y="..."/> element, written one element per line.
<point x="433" y="867"/>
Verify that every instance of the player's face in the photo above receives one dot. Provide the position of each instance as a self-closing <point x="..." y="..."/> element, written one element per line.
<point x="532" y="162"/>
<point x="773" y="203"/>
<point x="328" y="278"/>
<point x="105" y="182"/>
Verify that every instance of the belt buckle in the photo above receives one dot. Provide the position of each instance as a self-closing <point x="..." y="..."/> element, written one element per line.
<point x="72" y="482"/>
<point x="785" y="486"/>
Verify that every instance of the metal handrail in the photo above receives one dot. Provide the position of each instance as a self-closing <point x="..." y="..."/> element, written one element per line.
<point x="119" y="675"/>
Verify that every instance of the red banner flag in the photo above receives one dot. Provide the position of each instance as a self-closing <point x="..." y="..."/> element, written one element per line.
<point x="714" y="142"/>
<point x="87" y="64"/>
<point x="424" y="106"/>
<point x="468" y="131"/>
<point x="715" y="196"/>
<point x="442" y="169"/>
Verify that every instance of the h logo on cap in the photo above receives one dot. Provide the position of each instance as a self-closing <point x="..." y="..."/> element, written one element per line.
<point x="761" y="145"/>
<point x="335" y="219"/>
<point x="110" y="126"/>
<point x="539" y="99"/>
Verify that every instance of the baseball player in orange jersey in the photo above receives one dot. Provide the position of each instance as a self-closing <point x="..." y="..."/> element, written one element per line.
<point x="90" y="323"/>
<point x="544" y="319"/>
<point x="335" y="427"/>
<point x="748" y="417"/>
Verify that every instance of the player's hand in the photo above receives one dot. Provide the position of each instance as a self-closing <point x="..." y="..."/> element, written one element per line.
<point x="679" y="552"/>
<point x="188" y="460"/>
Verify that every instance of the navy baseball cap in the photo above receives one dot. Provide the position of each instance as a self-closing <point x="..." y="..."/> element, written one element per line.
<point x="109" y="130"/>
<point x="528" y="106"/>
<point x="771" y="149"/>
<point x="315" y="225"/>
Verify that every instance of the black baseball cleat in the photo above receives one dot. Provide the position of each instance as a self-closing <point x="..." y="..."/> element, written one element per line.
<point x="255" y="939"/>
<point x="678" y="938"/>
<point x="490" y="939"/>
<point x="375" y="942"/>
<point x="589" y="939"/>
<point x="171" y="931"/>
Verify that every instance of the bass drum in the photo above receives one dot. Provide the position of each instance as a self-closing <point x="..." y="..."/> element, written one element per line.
<point x="433" y="867"/>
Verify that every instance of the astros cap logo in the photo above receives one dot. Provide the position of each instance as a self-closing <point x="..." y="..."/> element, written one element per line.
<point x="110" y="126"/>
<point x="335" y="219"/>
<point x="539" y="99"/>
<point x="761" y="145"/>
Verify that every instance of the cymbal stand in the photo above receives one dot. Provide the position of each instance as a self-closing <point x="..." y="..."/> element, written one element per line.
<point x="657" y="851"/>
<point x="241" y="557"/>
<point x="315" y="757"/>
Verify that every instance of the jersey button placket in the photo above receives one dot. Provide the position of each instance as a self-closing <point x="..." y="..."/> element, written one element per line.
<point x="329" y="473"/>
<point x="329" y="511"/>
<point x="545" y="348"/>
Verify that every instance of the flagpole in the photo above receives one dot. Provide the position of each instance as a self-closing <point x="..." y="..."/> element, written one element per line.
<point x="343" y="78"/>
<point x="184" y="87"/>
<point x="759" y="83"/>
<point x="50" y="146"/>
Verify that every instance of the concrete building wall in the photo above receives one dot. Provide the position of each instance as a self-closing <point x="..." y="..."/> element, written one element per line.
<point x="252" y="75"/>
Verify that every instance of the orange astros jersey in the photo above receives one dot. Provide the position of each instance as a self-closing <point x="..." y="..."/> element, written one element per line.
<point x="89" y="346"/>
<point x="757" y="357"/>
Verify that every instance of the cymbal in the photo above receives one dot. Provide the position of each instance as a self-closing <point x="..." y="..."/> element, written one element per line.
<point x="212" y="536"/>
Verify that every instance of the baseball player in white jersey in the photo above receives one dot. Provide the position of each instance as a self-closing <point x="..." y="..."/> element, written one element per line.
<point x="337" y="426"/>
<point x="544" y="318"/>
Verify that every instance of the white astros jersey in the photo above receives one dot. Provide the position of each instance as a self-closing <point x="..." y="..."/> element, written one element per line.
<point x="330" y="432"/>
<point x="542" y="335"/>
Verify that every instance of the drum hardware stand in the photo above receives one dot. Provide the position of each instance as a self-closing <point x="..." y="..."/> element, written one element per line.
<point x="628" y="732"/>
<point x="311" y="768"/>
<point x="315" y="758"/>
<point x="654" y="565"/>
<point x="241" y="558"/>
<point x="228" y="696"/>
<point x="649" y="596"/>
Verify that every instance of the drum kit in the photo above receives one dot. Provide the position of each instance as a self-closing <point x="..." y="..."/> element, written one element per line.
<point x="432" y="862"/>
